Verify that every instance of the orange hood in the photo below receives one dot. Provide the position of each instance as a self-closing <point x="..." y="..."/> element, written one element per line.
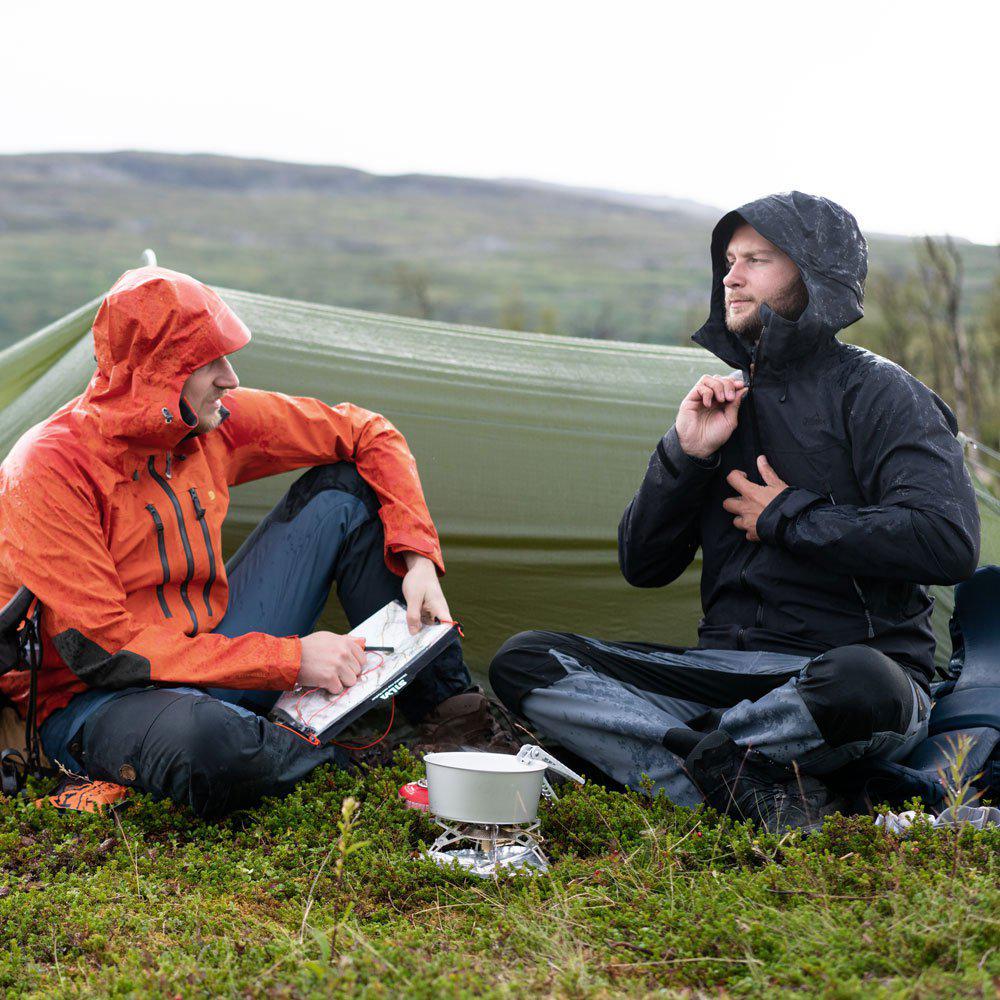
<point x="154" y="328"/>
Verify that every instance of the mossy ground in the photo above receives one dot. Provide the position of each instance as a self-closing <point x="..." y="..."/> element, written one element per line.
<point x="642" y="898"/>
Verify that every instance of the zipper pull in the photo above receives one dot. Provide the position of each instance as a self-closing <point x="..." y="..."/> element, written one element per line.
<point x="199" y="511"/>
<point x="158" y="524"/>
<point x="169" y="457"/>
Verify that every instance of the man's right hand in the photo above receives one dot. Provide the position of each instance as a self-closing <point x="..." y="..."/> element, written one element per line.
<point x="330" y="661"/>
<point x="708" y="414"/>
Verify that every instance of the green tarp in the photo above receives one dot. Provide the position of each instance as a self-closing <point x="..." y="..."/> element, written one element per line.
<point x="529" y="447"/>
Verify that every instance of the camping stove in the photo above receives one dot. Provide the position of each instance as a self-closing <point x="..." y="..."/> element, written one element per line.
<point x="487" y="807"/>
<point x="490" y="849"/>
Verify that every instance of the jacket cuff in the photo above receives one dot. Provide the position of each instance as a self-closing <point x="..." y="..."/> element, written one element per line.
<point x="782" y="510"/>
<point x="677" y="462"/>
<point x="397" y="563"/>
<point x="287" y="664"/>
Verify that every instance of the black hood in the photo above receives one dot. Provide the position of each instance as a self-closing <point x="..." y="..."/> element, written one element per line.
<point x="831" y="253"/>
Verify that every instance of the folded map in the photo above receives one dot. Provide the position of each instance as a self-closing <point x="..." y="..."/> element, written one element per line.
<point x="318" y="714"/>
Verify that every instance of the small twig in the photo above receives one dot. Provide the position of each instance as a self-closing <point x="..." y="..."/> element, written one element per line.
<point x="312" y="889"/>
<point x="55" y="954"/>
<point x="684" y="961"/>
<point x="131" y="853"/>
<point x="631" y="947"/>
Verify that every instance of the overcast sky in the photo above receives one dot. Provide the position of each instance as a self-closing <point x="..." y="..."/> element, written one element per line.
<point x="888" y="107"/>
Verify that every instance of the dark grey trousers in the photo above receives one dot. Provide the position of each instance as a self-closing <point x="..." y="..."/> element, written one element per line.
<point x="613" y="703"/>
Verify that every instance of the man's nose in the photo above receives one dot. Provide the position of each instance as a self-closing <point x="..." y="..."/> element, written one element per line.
<point x="734" y="276"/>
<point x="228" y="378"/>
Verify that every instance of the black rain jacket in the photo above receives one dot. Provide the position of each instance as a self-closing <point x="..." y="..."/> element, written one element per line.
<point x="879" y="502"/>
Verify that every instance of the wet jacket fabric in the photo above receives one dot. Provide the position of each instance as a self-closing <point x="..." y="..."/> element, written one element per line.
<point x="879" y="502"/>
<point x="111" y="511"/>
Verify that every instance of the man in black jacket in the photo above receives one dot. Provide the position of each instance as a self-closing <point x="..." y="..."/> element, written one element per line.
<point x="825" y="488"/>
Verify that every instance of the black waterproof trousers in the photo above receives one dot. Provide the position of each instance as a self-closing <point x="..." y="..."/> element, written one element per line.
<point x="212" y="748"/>
<point x="633" y="709"/>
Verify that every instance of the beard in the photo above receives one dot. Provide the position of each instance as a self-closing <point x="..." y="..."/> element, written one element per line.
<point x="789" y="303"/>
<point x="208" y="422"/>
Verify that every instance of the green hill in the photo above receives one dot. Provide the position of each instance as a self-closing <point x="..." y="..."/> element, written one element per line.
<point x="514" y="254"/>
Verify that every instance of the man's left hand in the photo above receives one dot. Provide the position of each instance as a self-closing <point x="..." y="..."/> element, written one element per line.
<point x="752" y="498"/>
<point x="422" y="590"/>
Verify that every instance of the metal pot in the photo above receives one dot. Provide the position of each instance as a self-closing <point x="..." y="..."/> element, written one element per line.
<point x="477" y="787"/>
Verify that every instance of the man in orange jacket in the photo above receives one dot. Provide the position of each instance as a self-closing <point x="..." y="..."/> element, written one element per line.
<point x="158" y="656"/>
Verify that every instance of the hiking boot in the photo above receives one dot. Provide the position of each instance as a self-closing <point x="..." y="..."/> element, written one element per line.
<point x="746" y="785"/>
<point x="464" y="722"/>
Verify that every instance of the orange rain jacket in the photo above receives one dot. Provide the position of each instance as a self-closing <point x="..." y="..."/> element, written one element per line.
<point x="111" y="514"/>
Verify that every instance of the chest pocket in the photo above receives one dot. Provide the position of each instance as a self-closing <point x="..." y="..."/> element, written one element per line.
<point x="827" y="471"/>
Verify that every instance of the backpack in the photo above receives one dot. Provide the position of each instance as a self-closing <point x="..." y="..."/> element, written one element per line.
<point x="966" y="713"/>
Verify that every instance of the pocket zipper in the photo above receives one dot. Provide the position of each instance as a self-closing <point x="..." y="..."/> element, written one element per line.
<point x="199" y="512"/>
<point x="161" y="546"/>
<point x="185" y="541"/>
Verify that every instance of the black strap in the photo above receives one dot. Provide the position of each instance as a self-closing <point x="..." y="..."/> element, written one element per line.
<point x="31" y="653"/>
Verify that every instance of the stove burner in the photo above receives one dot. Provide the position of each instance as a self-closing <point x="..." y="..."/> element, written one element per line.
<point x="488" y="850"/>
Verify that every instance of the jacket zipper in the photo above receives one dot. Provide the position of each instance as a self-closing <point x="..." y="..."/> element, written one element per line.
<point x="755" y="448"/>
<point x="161" y="546"/>
<point x="185" y="541"/>
<point x="860" y="592"/>
<point x="199" y="512"/>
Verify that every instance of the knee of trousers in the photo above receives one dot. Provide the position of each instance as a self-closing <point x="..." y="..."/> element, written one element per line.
<point x="207" y="755"/>
<point x="854" y="692"/>
<point x="195" y="750"/>
<point x="522" y="664"/>
<point x="340" y="476"/>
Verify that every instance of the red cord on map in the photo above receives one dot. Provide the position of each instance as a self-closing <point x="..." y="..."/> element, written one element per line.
<point x="392" y="709"/>
<point x="336" y="697"/>
<point x="368" y="746"/>
<point x="448" y="621"/>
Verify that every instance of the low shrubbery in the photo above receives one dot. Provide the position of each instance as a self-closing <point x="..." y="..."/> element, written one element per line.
<point x="303" y="897"/>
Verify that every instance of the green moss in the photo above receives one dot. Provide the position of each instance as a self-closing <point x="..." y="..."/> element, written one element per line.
<point x="642" y="896"/>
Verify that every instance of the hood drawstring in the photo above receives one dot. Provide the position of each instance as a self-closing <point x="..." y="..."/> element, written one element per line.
<point x="784" y="392"/>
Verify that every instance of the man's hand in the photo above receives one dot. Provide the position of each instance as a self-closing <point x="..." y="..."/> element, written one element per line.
<point x="752" y="498"/>
<point x="330" y="661"/>
<point x="708" y="414"/>
<point x="422" y="590"/>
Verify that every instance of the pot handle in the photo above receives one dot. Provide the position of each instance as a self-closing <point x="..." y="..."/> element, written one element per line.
<point x="532" y="752"/>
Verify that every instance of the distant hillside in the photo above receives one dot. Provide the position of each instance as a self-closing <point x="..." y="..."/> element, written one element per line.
<point x="660" y="203"/>
<point x="515" y="254"/>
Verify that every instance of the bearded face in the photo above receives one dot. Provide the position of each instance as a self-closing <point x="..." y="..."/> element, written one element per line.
<point x="203" y="392"/>
<point x="759" y="273"/>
